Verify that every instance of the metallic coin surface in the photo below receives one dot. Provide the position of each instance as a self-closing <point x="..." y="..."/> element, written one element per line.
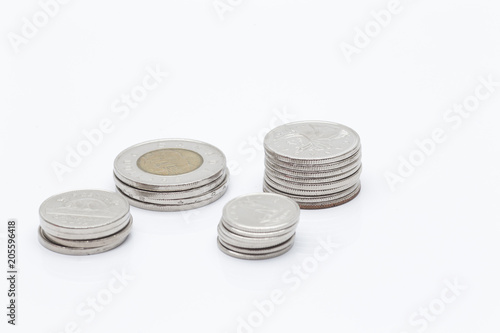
<point x="313" y="199"/>
<point x="307" y="186"/>
<point x="45" y="242"/>
<point x="261" y="212"/>
<point x="307" y="193"/>
<point x="84" y="211"/>
<point x="176" y="198"/>
<point x="312" y="176"/>
<point x="92" y="243"/>
<point x="267" y="250"/>
<point x="171" y="208"/>
<point x="170" y="161"/>
<point x="249" y="242"/>
<point x="154" y="165"/>
<point x="311" y="142"/>
<point x="332" y="203"/>
<point x="252" y="256"/>
<point x="287" y="165"/>
<point x="258" y="234"/>
<point x="85" y="234"/>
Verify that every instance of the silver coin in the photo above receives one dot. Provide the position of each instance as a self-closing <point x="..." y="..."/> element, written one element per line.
<point x="308" y="193"/>
<point x="86" y="234"/>
<point x="311" y="142"/>
<point x="331" y="203"/>
<point x="261" y="212"/>
<point x="170" y="195"/>
<point x="252" y="256"/>
<point x="287" y="165"/>
<point x="268" y="250"/>
<point x="45" y="242"/>
<point x="169" y="165"/>
<point x="92" y="243"/>
<point x="170" y="208"/>
<point x="84" y="211"/>
<point x="259" y="234"/>
<point x="313" y="176"/>
<point x="249" y="242"/>
<point x="307" y="186"/>
<point x="156" y="199"/>
<point x="313" y="199"/>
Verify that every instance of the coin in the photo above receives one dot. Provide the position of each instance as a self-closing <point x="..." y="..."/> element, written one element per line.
<point x="261" y="212"/>
<point x="239" y="255"/>
<point x="258" y="226"/>
<point x="92" y="243"/>
<point x="83" y="211"/>
<point x="171" y="174"/>
<point x="45" y="242"/>
<point x="311" y="142"/>
<point x="315" y="163"/>
<point x="158" y="166"/>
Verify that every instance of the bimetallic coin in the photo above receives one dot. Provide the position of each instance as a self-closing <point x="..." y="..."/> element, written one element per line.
<point x="171" y="208"/>
<point x="311" y="142"/>
<point x="261" y="212"/>
<point x="169" y="165"/>
<point x="166" y="198"/>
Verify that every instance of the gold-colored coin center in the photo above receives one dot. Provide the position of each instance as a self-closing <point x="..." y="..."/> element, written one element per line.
<point x="170" y="161"/>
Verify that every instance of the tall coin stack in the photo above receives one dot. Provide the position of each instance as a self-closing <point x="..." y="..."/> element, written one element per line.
<point x="315" y="163"/>
<point x="84" y="222"/>
<point x="171" y="174"/>
<point x="258" y="226"/>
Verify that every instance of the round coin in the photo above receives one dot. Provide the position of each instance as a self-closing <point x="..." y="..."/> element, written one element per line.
<point x="169" y="165"/>
<point x="252" y="256"/>
<point x="261" y="212"/>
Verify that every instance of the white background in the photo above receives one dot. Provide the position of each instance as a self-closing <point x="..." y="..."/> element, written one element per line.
<point x="229" y="76"/>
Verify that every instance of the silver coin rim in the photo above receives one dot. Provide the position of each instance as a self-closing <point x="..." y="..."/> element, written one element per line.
<point x="92" y="243"/>
<point x="251" y="243"/>
<point x="252" y="257"/>
<point x="258" y="251"/>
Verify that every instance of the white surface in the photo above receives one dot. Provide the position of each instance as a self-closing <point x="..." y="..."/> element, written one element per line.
<point x="226" y="80"/>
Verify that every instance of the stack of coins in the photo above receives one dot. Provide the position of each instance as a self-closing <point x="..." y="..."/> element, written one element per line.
<point x="171" y="174"/>
<point x="84" y="222"/>
<point x="315" y="163"/>
<point x="258" y="226"/>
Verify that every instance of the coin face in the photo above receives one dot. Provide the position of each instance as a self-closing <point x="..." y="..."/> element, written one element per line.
<point x="311" y="140"/>
<point x="170" y="161"/>
<point x="169" y="165"/>
<point x="84" y="209"/>
<point x="261" y="212"/>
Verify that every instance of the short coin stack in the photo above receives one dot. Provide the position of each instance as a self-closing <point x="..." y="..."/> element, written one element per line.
<point x="315" y="163"/>
<point x="258" y="226"/>
<point x="171" y="174"/>
<point x="84" y="222"/>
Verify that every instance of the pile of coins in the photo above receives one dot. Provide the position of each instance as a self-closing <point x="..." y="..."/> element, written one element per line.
<point x="84" y="222"/>
<point x="315" y="163"/>
<point x="171" y="174"/>
<point x="258" y="226"/>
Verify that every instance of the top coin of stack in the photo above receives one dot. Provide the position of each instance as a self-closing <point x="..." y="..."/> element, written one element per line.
<point x="84" y="222"/>
<point x="171" y="174"/>
<point x="316" y="163"/>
